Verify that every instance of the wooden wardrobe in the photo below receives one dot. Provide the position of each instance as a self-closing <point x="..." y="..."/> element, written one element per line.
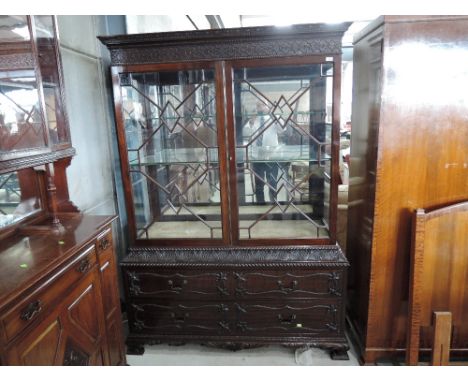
<point x="409" y="150"/>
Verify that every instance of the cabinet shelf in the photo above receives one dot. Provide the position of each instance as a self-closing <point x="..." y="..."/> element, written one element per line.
<point x="247" y="154"/>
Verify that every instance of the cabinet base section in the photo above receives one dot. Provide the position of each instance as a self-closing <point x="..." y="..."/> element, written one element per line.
<point x="337" y="347"/>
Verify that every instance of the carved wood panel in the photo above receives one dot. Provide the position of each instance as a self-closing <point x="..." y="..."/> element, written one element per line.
<point x="180" y="317"/>
<point x="200" y="285"/>
<point x="41" y="347"/>
<point x="308" y="284"/>
<point x="83" y="319"/>
<point x="311" y="317"/>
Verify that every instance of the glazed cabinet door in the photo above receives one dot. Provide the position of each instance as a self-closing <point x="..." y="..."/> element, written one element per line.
<point x="71" y="335"/>
<point x="172" y="145"/>
<point x="283" y="138"/>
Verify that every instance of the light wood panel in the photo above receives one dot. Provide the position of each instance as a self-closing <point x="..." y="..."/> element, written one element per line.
<point x="439" y="274"/>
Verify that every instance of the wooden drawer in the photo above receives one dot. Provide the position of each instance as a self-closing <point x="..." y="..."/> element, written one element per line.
<point x="308" y="317"/>
<point x="184" y="317"/>
<point x="301" y="284"/>
<point x="150" y="282"/>
<point x="37" y="303"/>
<point x="104" y="241"/>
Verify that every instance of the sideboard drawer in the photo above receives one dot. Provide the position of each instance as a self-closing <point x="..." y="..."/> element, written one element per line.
<point x="301" y="284"/>
<point x="37" y="303"/>
<point x="150" y="282"/>
<point x="309" y="317"/>
<point x="184" y="317"/>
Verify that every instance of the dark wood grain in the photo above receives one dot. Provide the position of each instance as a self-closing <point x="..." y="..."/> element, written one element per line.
<point x="224" y="44"/>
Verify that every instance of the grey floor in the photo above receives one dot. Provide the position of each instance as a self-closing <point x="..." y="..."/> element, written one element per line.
<point x="197" y="355"/>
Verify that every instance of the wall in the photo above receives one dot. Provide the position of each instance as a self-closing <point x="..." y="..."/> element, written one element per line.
<point x="94" y="175"/>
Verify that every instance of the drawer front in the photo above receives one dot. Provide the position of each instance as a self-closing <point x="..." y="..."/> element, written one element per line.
<point x="318" y="318"/>
<point x="38" y="302"/>
<point x="300" y="284"/>
<point x="104" y="241"/>
<point x="185" y="317"/>
<point x="148" y="282"/>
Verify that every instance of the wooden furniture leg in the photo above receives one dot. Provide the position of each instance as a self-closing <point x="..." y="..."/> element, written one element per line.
<point x="442" y="336"/>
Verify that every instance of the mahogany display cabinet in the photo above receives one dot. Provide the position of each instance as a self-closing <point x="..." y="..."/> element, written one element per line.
<point x="229" y="143"/>
<point x="59" y="298"/>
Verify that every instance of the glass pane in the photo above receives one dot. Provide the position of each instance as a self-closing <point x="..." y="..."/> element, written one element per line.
<point x="14" y="29"/>
<point x="19" y="196"/>
<point x="171" y="133"/>
<point x="46" y="40"/>
<point x="283" y="138"/>
<point x="20" y="118"/>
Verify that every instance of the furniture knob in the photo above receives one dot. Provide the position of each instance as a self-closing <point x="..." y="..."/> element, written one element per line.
<point x="176" y="288"/>
<point x="31" y="310"/>
<point x="104" y="243"/>
<point x="287" y="289"/>
<point x="84" y="266"/>
<point x="179" y="319"/>
<point x="287" y="321"/>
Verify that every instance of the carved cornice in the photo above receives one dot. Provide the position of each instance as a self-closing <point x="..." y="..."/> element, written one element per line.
<point x="235" y="43"/>
<point x="35" y="160"/>
<point x="223" y="51"/>
<point x="326" y="343"/>
<point x="241" y="257"/>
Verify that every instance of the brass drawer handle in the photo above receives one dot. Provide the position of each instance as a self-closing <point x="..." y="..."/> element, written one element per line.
<point x="176" y="288"/>
<point x="104" y="243"/>
<point x="84" y="266"/>
<point x="31" y="310"/>
<point x="286" y="289"/>
<point x="287" y="321"/>
<point x="179" y="319"/>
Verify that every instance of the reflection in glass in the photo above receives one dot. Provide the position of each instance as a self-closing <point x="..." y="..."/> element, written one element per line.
<point x="19" y="196"/>
<point x="20" y="119"/>
<point x="46" y="40"/>
<point x="283" y="138"/>
<point x="171" y="134"/>
<point x="14" y="29"/>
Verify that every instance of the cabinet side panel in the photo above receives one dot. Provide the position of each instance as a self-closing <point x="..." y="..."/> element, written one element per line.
<point x="364" y="142"/>
<point x="422" y="163"/>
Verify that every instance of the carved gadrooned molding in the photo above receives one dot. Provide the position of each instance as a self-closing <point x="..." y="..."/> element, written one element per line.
<point x="241" y="257"/>
<point x="235" y="43"/>
<point x="325" y="343"/>
<point x="35" y="160"/>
